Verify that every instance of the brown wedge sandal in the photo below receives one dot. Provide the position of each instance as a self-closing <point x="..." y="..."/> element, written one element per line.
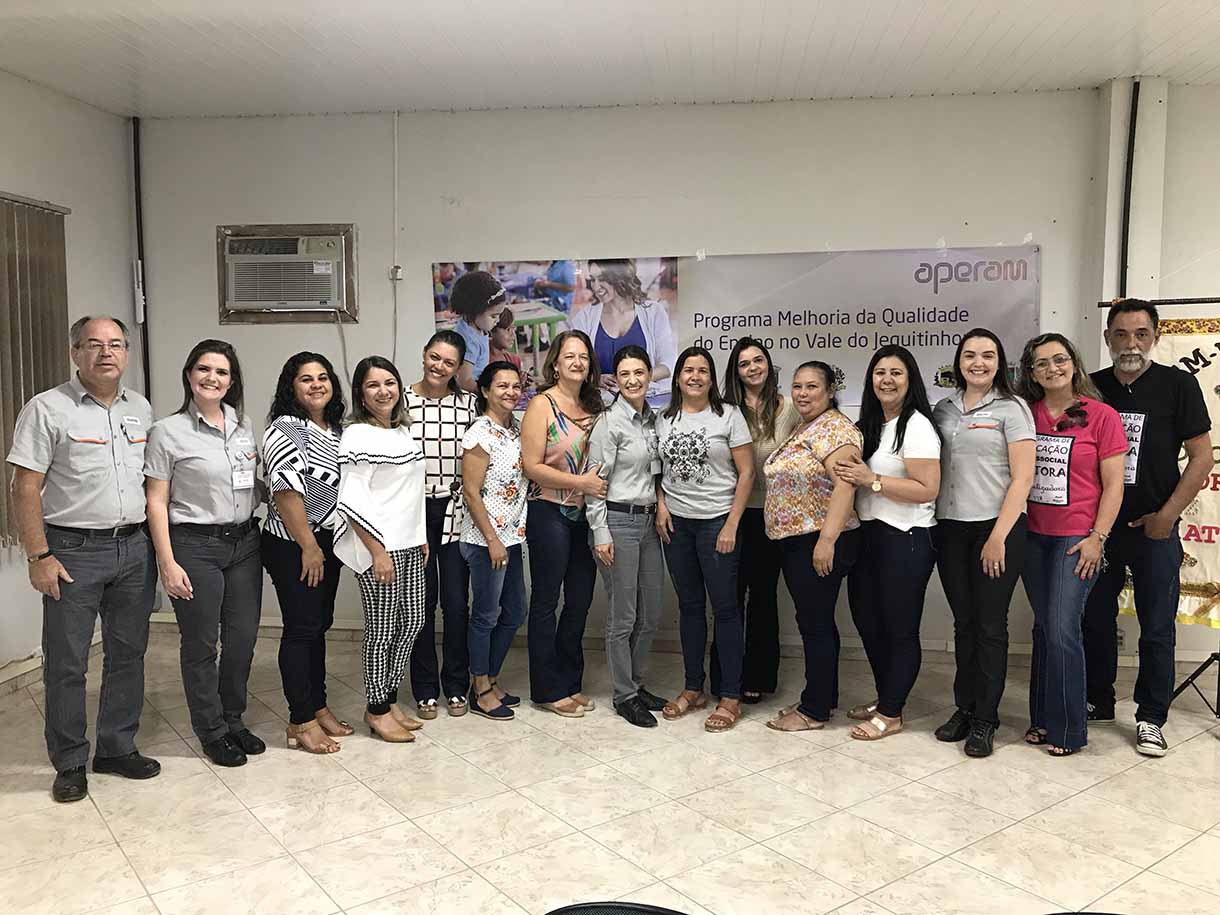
<point x="332" y="725"/>
<point x="676" y="708"/>
<point x="311" y="738"/>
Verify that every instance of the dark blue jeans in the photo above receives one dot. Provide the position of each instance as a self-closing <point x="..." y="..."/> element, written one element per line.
<point x="559" y="558"/>
<point x="497" y="609"/>
<point x="224" y="612"/>
<point x="701" y="574"/>
<point x="814" y="597"/>
<point x="1154" y="566"/>
<point x="116" y="580"/>
<point x="886" y="589"/>
<point x="1057" y="675"/>
<point x="446" y="576"/>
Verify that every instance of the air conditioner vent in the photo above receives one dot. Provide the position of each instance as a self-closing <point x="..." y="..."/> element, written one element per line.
<point x="263" y="245"/>
<point x="278" y="282"/>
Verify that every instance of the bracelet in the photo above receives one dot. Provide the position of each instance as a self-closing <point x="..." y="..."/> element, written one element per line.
<point x="41" y="556"/>
<point x="1100" y="536"/>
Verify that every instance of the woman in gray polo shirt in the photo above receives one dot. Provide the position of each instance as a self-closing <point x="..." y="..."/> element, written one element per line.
<point x="987" y="466"/>
<point x="199" y="477"/>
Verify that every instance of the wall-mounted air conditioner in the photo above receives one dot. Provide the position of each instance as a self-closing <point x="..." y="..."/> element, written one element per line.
<point x="286" y="273"/>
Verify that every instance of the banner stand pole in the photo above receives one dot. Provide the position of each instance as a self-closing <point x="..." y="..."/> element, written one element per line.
<point x="1214" y="658"/>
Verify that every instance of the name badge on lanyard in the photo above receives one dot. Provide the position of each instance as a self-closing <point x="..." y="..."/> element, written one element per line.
<point x="243" y="479"/>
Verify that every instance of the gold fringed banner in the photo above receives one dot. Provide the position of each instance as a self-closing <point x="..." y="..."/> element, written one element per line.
<point x="1193" y="344"/>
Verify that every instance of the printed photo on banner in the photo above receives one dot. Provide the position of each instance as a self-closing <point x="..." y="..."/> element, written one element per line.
<point x="838" y="307"/>
<point x="616" y="301"/>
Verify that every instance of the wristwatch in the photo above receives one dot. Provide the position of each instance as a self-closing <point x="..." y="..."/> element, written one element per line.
<point x="875" y="486"/>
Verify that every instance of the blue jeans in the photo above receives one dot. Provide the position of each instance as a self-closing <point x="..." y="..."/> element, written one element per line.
<point x="559" y="558"/>
<point x="114" y="578"/>
<point x="886" y="589"/>
<point x="1154" y="565"/>
<point x="1057" y="676"/>
<point x="701" y="574"/>
<point x="497" y="609"/>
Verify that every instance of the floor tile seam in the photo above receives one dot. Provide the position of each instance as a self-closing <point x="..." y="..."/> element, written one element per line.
<point x="982" y="873"/>
<point x="1184" y="882"/>
<point x="715" y="857"/>
<point x="297" y="861"/>
<point x="686" y="797"/>
<point x="582" y="768"/>
<point x="1149" y="763"/>
<point x="126" y="857"/>
<point x="470" y="866"/>
<point x="849" y="810"/>
<point x="344" y="838"/>
<point x="1076" y="792"/>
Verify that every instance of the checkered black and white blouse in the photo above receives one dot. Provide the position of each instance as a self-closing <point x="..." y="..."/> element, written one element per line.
<point x="438" y="427"/>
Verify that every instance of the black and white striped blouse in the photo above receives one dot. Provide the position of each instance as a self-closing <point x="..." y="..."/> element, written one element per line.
<point x="304" y="458"/>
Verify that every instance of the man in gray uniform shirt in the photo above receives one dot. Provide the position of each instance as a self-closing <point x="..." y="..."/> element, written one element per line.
<point x="78" y="488"/>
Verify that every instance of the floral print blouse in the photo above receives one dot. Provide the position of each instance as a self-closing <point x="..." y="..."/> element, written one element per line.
<point x="798" y="482"/>
<point x="504" y="487"/>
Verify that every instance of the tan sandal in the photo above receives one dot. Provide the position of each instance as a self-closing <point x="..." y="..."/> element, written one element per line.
<point x="401" y="716"/>
<point x="722" y="719"/>
<point x="676" y="708"/>
<point x="387" y="728"/>
<point x="311" y="738"/>
<point x="877" y="727"/>
<point x="862" y="712"/>
<point x="332" y="725"/>
<point x="585" y="703"/>
<point x="575" y="710"/>
<point x="793" y="719"/>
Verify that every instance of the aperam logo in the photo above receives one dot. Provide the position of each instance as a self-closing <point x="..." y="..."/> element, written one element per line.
<point x="943" y="272"/>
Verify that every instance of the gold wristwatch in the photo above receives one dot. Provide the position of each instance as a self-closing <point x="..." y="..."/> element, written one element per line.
<point x="875" y="486"/>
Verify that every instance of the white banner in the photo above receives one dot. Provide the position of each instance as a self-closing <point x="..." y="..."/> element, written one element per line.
<point x="1193" y="344"/>
<point x="841" y="306"/>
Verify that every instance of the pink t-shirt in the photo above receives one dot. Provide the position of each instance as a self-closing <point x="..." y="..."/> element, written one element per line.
<point x="1067" y="472"/>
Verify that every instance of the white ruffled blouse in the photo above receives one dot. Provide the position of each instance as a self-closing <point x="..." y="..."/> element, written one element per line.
<point x="381" y="489"/>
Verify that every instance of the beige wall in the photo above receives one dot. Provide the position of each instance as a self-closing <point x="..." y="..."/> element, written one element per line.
<point x="79" y="157"/>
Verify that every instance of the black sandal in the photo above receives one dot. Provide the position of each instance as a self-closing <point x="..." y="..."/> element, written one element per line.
<point x="1059" y="752"/>
<point x="1035" y="737"/>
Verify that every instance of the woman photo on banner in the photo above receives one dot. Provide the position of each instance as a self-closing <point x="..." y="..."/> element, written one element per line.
<point x="1075" y="498"/>
<point x="622" y="315"/>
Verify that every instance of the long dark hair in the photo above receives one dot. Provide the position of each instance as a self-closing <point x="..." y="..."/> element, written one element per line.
<point x="590" y="389"/>
<point x="828" y="377"/>
<point x="872" y="417"/>
<point x="1082" y="385"/>
<point x="284" y="403"/>
<point x="1001" y="384"/>
<point x="235" y="396"/>
<point x="675" y="389"/>
<point x="360" y="411"/>
<point x="458" y="342"/>
<point x="761" y="423"/>
<point x="486" y="377"/>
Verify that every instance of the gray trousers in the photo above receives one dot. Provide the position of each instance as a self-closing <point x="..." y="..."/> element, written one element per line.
<point x="113" y="578"/>
<point x="227" y="578"/>
<point x="633" y="592"/>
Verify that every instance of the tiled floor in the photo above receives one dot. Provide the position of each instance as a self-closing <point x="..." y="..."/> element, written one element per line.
<point x="485" y="817"/>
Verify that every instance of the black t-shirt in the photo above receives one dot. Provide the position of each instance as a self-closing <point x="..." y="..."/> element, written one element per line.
<point x="1160" y="410"/>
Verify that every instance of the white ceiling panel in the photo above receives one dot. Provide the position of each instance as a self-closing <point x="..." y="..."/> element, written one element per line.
<point x="182" y="58"/>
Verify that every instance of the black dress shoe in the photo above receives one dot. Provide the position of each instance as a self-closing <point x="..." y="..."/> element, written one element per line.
<point x="70" y="785"/>
<point x="982" y="736"/>
<point x="225" y="752"/>
<point x="250" y="744"/>
<point x="636" y="712"/>
<point x="956" y="728"/>
<point x="133" y="765"/>
<point x="651" y="702"/>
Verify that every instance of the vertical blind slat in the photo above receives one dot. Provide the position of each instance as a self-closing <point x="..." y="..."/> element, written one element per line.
<point x="33" y="322"/>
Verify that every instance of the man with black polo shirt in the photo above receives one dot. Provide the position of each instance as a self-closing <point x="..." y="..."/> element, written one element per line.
<point x="1163" y="413"/>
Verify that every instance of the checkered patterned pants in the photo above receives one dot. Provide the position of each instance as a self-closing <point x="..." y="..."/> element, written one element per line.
<point x="393" y="617"/>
